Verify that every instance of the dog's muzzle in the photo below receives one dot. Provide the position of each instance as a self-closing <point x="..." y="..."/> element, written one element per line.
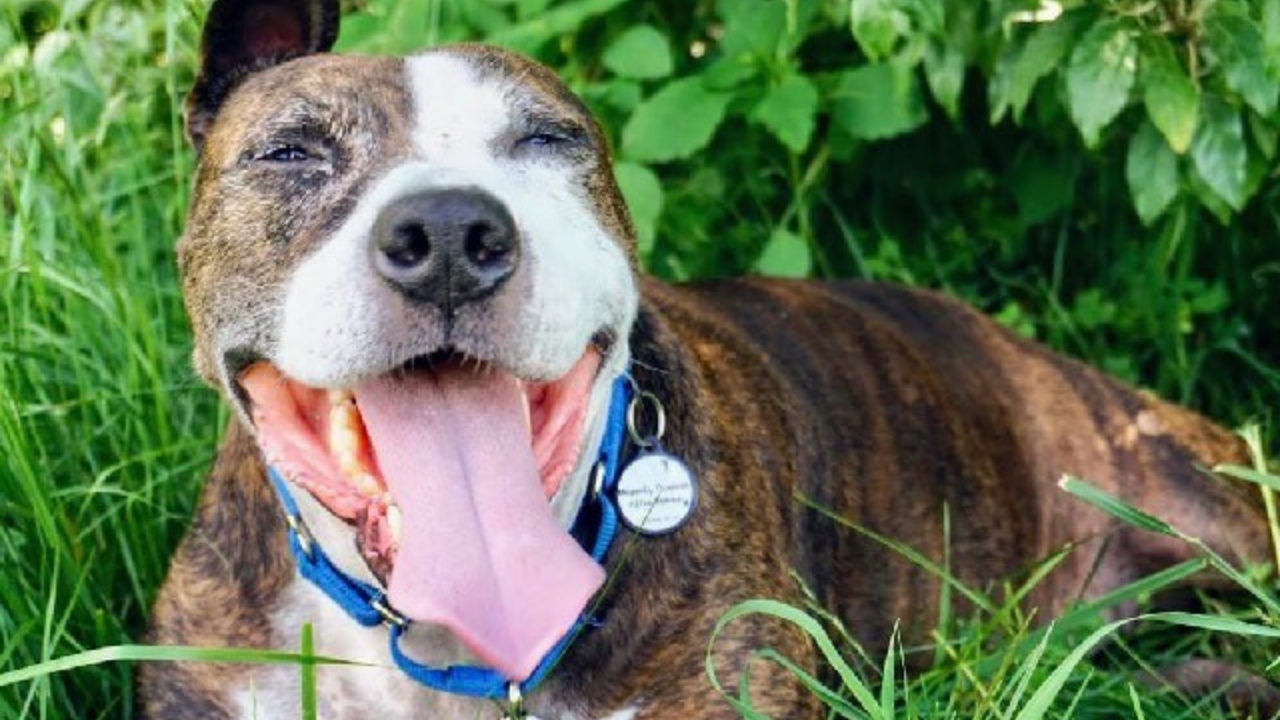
<point x="446" y="247"/>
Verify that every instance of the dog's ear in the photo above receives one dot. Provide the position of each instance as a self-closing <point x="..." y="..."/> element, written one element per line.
<point x="244" y="36"/>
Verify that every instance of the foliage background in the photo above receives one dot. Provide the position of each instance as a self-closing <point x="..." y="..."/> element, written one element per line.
<point x="1097" y="174"/>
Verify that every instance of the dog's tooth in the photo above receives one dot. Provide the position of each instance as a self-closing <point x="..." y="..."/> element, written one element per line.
<point x="527" y="405"/>
<point x="342" y="438"/>
<point x="344" y="443"/>
<point x="366" y="483"/>
<point x="395" y="523"/>
<point x="341" y="397"/>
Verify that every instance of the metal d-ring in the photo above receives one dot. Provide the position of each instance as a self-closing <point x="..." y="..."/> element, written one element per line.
<point x="597" y="480"/>
<point x="390" y="617"/>
<point x="300" y="531"/>
<point x="660" y="420"/>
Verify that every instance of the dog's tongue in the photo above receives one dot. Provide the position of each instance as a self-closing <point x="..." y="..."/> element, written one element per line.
<point x="480" y="552"/>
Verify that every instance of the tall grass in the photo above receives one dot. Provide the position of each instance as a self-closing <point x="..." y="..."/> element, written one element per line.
<point x="105" y="432"/>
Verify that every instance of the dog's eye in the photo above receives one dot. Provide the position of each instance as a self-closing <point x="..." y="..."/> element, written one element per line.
<point x="285" y="154"/>
<point x="551" y="136"/>
<point x="544" y="139"/>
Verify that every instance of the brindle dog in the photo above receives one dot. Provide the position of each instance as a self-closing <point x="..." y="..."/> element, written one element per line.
<point x="414" y="274"/>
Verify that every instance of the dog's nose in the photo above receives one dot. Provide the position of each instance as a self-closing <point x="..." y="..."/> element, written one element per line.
<point x="447" y="247"/>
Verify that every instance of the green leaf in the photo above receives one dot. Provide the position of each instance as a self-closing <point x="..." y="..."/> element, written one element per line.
<point x="674" y="123"/>
<point x="1100" y="75"/>
<point x="785" y="255"/>
<point x="944" y="71"/>
<point x="1024" y="65"/>
<point x="1209" y="199"/>
<point x="729" y="72"/>
<point x="624" y="95"/>
<point x="1236" y="40"/>
<point x="642" y="52"/>
<point x="526" y="9"/>
<point x="1042" y="183"/>
<point x="877" y="25"/>
<point x="1271" y="34"/>
<point x="1152" y="172"/>
<point x="1264" y="136"/>
<point x="643" y="192"/>
<point x="879" y="101"/>
<point x="1093" y="309"/>
<point x="1171" y="97"/>
<point x="1219" y="154"/>
<point x="789" y="111"/>
<point x="752" y="27"/>
<point x="529" y="35"/>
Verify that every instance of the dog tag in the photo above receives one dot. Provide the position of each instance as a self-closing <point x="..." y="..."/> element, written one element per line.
<point x="656" y="494"/>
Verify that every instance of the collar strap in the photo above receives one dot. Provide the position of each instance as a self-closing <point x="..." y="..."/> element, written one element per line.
<point x="367" y="606"/>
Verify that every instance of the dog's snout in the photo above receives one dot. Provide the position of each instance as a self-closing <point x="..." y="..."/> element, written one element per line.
<point x="446" y="247"/>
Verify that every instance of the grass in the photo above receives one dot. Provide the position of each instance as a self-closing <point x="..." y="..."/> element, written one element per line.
<point x="105" y="432"/>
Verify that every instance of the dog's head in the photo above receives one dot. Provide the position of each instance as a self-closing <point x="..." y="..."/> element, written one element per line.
<point x="414" y="278"/>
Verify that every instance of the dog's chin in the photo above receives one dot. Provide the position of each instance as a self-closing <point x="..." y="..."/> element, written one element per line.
<point x="353" y="449"/>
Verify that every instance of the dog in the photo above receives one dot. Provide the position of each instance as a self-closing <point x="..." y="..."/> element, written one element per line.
<point x="414" y="279"/>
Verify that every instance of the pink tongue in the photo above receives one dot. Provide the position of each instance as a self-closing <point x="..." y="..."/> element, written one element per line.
<point x="481" y="553"/>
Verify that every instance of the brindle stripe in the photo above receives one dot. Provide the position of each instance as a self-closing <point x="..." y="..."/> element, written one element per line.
<point x="224" y="581"/>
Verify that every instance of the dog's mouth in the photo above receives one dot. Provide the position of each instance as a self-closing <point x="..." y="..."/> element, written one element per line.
<point x="445" y="468"/>
<point x="320" y="438"/>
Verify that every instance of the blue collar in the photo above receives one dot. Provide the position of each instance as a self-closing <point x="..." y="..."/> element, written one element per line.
<point x="366" y="605"/>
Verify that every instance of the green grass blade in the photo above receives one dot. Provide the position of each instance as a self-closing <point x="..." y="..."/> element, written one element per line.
<point x="973" y="596"/>
<point x="1116" y="507"/>
<point x="811" y="627"/>
<point x="1129" y="514"/>
<point x="169" y="653"/>
<point x="888" y="681"/>
<point x="1214" y="623"/>
<point x="1257" y="477"/>
<point x="1041" y="700"/>
<point x="308" y="669"/>
<point x="834" y="702"/>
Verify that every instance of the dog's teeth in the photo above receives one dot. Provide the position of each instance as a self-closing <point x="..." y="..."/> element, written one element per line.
<point x="345" y="441"/>
<point x="394" y="523"/>
<point x="528" y="414"/>
<point x="366" y="484"/>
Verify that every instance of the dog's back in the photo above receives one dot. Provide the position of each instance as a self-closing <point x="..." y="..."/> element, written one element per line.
<point x="883" y="405"/>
